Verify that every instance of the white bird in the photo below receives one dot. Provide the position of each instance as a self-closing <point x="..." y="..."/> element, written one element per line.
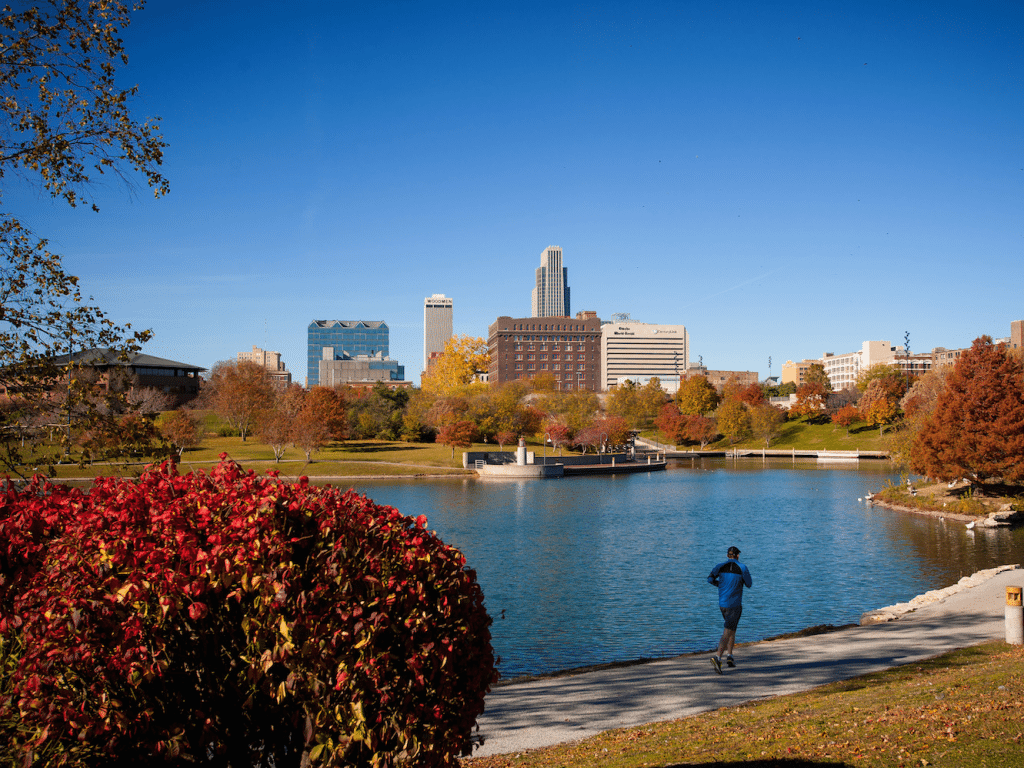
<point x="970" y="525"/>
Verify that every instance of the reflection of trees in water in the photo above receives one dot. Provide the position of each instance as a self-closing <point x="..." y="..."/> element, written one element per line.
<point x="952" y="550"/>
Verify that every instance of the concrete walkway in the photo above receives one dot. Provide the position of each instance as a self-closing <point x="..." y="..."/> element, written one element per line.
<point x="555" y="710"/>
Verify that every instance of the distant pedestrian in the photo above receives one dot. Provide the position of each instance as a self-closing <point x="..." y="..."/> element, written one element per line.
<point x="730" y="577"/>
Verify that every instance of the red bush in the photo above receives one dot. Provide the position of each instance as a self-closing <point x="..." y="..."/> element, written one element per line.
<point x="232" y="619"/>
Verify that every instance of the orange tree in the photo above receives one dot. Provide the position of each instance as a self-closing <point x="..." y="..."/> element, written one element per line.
<point x="457" y="434"/>
<point x="241" y="393"/>
<point x="232" y="619"/>
<point x="977" y="428"/>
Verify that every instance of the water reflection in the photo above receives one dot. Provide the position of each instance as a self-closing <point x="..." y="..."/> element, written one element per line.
<point x="587" y="570"/>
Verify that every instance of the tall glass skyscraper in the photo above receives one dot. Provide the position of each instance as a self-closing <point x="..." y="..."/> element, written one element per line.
<point x="551" y="294"/>
<point x="346" y="337"/>
<point x="437" y="325"/>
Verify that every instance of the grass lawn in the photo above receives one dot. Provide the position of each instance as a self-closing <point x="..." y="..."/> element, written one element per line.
<point x="816" y="437"/>
<point x="360" y="458"/>
<point x="962" y="709"/>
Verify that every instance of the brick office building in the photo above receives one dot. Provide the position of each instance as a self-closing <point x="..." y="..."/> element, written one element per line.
<point x="568" y="349"/>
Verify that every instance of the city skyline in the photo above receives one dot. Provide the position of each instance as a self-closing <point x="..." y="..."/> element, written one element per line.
<point x="782" y="181"/>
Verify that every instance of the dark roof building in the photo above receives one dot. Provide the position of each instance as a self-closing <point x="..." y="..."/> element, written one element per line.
<point x="179" y="380"/>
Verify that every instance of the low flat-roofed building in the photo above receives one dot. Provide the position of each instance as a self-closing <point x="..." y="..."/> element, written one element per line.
<point x="338" y="368"/>
<point x="178" y="380"/>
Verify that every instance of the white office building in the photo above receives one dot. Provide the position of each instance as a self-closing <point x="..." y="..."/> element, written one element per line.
<point x="550" y="297"/>
<point x="635" y="351"/>
<point x="437" y="325"/>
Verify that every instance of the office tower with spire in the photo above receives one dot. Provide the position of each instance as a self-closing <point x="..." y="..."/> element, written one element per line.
<point x="551" y="294"/>
<point x="437" y="326"/>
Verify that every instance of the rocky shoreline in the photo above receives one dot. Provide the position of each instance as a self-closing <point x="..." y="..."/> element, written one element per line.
<point x="1001" y="517"/>
<point x="893" y="612"/>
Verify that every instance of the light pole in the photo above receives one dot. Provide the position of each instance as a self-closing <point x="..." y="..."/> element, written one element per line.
<point x="906" y="354"/>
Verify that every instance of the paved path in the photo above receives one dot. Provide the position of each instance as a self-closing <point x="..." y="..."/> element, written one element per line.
<point x="555" y="710"/>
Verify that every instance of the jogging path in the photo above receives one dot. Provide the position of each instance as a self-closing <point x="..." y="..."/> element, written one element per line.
<point x="554" y="710"/>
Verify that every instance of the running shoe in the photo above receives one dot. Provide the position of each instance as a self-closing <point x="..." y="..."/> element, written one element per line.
<point x="717" y="664"/>
<point x="729" y="662"/>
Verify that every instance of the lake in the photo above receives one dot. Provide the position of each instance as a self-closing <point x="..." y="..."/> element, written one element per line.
<point x="588" y="570"/>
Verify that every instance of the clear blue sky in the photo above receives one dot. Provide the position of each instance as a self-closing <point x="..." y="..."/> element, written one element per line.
<point x="784" y="179"/>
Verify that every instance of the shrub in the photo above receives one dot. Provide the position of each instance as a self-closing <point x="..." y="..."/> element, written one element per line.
<point x="232" y="619"/>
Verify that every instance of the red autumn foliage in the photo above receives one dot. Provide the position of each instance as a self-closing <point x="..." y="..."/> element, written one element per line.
<point x="977" y="428"/>
<point x="232" y="619"/>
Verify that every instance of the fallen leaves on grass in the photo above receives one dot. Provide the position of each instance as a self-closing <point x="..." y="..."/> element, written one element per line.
<point x="964" y="709"/>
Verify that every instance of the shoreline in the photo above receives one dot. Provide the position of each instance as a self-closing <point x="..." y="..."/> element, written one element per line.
<point x="877" y="616"/>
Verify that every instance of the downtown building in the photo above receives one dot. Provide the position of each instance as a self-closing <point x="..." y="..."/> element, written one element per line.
<point x="271" y="362"/>
<point x="566" y="349"/>
<point x="437" y="327"/>
<point x="637" y="352"/>
<point x="354" y="342"/>
<point x="550" y="297"/>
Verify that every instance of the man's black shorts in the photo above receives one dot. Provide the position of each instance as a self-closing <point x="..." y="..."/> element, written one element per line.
<point x="732" y="616"/>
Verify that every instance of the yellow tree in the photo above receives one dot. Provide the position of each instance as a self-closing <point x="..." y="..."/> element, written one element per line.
<point x="733" y="420"/>
<point x="696" y="396"/>
<point x="464" y="357"/>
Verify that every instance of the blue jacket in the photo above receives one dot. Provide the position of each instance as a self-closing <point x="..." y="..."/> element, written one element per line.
<point x="730" y="577"/>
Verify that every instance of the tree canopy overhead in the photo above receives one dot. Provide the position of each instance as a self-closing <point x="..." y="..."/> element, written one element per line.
<point x="67" y="123"/>
<point x="68" y="119"/>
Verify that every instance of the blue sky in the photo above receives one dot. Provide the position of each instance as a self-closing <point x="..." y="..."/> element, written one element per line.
<point x="784" y="179"/>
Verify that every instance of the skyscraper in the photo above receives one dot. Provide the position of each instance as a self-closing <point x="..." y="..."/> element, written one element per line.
<point x="437" y="325"/>
<point x="551" y="294"/>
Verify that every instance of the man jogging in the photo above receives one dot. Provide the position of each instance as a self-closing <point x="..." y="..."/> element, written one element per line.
<point x="730" y="578"/>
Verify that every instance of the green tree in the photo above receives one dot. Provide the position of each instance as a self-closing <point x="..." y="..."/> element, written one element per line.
<point x="977" y="428"/>
<point x="379" y="413"/>
<point x="697" y="396"/>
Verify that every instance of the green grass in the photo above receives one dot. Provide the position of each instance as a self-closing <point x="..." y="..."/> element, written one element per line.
<point x="357" y="458"/>
<point x="963" y="709"/>
<point x="815" y="437"/>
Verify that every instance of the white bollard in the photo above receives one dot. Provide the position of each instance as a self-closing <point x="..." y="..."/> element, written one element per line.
<point x="1014" y="617"/>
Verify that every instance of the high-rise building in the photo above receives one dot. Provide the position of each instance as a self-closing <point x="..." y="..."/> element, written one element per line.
<point x="565" y="349"/>
<point x="345" y="339"/>
<point x="550" y="296"/>
<point x="437" y="325"/>
<point x="638" y="352"/>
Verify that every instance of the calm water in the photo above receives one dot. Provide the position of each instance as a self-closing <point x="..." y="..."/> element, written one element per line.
<point x="580" y="571"/>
